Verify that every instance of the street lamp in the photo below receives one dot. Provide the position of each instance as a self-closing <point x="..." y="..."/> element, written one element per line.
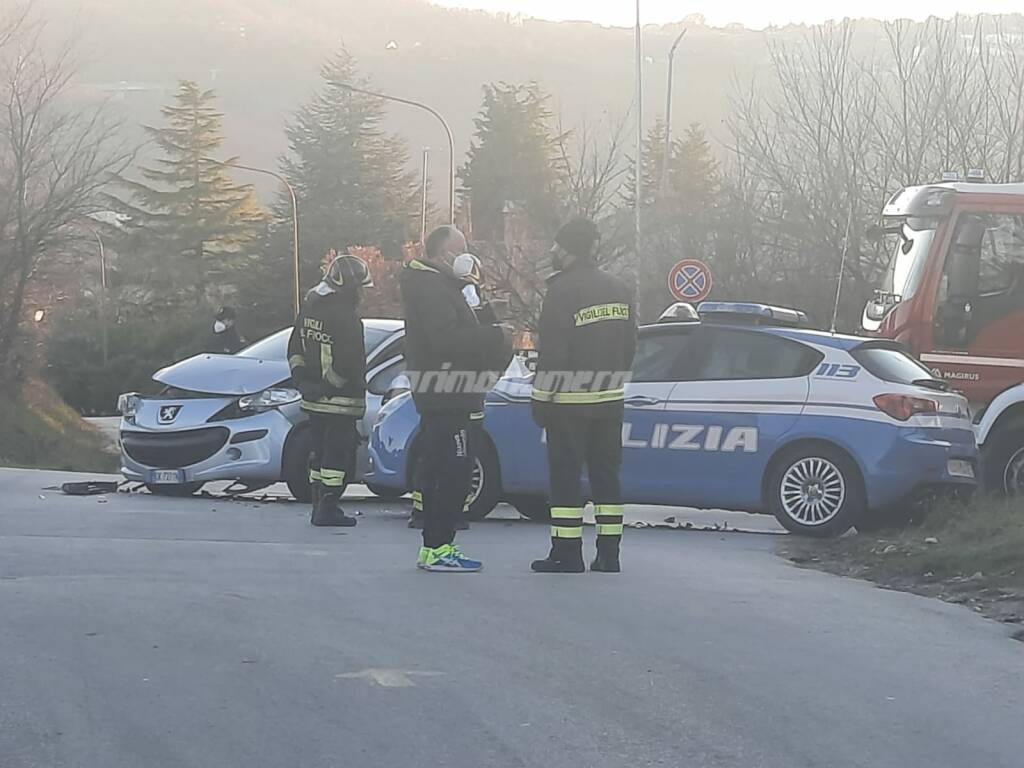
<point x="103" y="285"/>
<point x="639" y="126"/>
<point x="295" y="218"/>
<point x="440" y="118"/>
<point x="668" y="113"/>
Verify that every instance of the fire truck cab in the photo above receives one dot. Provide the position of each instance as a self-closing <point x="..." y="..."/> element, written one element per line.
<point x="954" y="296"/>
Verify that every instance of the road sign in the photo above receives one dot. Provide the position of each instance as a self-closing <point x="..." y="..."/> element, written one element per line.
<point x="690" y="280"/>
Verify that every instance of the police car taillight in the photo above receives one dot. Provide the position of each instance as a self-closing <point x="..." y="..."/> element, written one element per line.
<point x="903" y="407"/>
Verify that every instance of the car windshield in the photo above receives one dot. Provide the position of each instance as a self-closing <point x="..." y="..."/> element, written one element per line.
<point x="909" y="256"/>
<point x="275" y="346"/>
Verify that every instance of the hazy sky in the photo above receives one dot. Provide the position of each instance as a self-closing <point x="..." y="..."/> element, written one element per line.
<point x="753" y="14"/>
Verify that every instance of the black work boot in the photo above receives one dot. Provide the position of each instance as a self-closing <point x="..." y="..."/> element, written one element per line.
<point x="316" y="491"/>
<point x="329" y="514"/>
<point x="566" y="557"/>
<point x="607" y="560"/>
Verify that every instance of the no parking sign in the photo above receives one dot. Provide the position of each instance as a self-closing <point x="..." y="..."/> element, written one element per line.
<point x="690" y="280"/>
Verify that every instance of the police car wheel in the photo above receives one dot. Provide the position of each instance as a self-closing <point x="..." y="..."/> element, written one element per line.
<point x="485" y="484"/>
<point x="816" y="490"/>
<point x="533" y="508"/>
<point x="388" y="494"/>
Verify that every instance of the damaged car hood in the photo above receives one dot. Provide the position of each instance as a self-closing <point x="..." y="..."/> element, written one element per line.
<point x="224" y="374"/>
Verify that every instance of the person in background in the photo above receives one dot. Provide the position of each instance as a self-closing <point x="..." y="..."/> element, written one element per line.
<point x="327" y="357"/>
<point x="445" y="344"/>
<point x="225" y="339"/>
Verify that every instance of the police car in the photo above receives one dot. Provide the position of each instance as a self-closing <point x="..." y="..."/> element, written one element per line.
<point x="741" y="407"/>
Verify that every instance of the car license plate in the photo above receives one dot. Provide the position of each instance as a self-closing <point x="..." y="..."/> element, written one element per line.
<point x="166" y="477"/>
<point x="960" y="468"/>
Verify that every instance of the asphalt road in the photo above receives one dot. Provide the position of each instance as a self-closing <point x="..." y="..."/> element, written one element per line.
<point x="144" y="632"/>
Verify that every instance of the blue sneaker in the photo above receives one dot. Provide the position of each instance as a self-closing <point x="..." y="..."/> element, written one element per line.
<point x="449" y="559"/>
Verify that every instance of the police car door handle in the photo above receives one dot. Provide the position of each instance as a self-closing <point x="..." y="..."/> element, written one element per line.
<point x="641" y="400"/>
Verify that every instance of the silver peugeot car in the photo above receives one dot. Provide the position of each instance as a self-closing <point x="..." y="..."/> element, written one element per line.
<point x="237" y="417"/>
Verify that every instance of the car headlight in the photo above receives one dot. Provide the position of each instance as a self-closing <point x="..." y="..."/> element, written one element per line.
<point x="269" y="399"/>
<point x="128" y="405"/>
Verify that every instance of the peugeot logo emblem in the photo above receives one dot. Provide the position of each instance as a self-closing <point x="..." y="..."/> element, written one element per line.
<point x="168" y="413"/>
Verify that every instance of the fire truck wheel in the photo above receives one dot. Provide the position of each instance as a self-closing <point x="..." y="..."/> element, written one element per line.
<point x="1004" y="463"/>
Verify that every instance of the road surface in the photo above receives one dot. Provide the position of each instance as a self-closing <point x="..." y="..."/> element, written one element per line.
<point x="139" y="631"/>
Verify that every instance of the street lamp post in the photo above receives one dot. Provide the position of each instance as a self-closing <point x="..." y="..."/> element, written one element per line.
<point x="423" y="196"/>
<point x="668" y="113"/>
<point x="440" y="118"/>
<point x="104" y="336"/>
<point x="295" y="219"/>
<point x="639" y="127"/>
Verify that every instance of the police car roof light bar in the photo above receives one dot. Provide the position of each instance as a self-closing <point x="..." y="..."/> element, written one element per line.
<point x="680" y="312"/>
<point x="752" y="313"/>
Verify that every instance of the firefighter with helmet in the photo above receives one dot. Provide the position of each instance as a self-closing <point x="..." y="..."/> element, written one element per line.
<point x="587" y="339"/>
<point x="327" y="357"/>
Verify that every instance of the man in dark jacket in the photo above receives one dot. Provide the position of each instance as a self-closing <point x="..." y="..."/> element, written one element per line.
<point x="587" y="341"/>
<point x="225" y="339"/>
<point x="444" y="347"/>
<point x="327" y="357"/>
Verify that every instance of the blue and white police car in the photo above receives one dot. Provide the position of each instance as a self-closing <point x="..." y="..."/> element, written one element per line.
<point x="744" y="408"/>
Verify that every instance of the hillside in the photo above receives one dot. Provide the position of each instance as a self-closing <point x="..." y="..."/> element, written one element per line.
<point x="263" y="57"/>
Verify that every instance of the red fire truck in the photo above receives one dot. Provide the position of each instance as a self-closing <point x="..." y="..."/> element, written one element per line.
<point x="954" y="295"/>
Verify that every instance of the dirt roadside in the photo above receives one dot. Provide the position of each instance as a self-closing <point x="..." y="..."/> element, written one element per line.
<point x="970" y="554"/>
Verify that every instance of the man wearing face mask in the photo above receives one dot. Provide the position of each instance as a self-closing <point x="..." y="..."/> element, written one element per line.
<point x="495" y="360"/>
<point x="225" y="339"/>
<point x="445" y="344"/>
<point x="587" y="339"/>
<point x="327" y="357"/>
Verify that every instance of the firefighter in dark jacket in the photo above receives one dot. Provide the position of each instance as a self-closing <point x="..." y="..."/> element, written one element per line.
<point x="445" y="345"/>
<point x="327" y="357"/>
<point x="587" y="338"/>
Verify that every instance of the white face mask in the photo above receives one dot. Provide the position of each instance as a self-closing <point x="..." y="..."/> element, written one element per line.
<point x="219" y="327"/>
<point x="324" y="289"/>
<point x="472" y="297"/>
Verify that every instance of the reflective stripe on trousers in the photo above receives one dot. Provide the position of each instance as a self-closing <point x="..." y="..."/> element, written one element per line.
<point x="332" y="478"/>
<point x="609" y="519"/>
<point x="567" y="522"/>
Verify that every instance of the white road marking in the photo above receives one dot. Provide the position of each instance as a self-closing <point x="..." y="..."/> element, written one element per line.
<point x="387" y="678"/>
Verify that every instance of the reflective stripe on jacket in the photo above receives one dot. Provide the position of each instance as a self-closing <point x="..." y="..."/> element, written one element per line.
<point x="327" y="356"/>
<point x="587" y="338"/>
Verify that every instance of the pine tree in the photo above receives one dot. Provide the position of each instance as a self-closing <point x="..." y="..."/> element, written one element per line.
<point x="187" y="213"/>
<point x="511" y="160"/>
<point x="682" y="216"/>
<point x="349" y="174"/>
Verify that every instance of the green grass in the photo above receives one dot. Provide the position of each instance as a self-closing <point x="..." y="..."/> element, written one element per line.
<point x="38" y="430"/>
<point x="958" y="539"/>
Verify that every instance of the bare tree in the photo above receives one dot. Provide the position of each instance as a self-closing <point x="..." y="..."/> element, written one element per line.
<point x="840" y="124"/>
<point x="55" y="156"/>
<point x="589" y="171"/>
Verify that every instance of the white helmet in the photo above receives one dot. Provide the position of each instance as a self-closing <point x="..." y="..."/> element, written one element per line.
<point x="468" y="267"/>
